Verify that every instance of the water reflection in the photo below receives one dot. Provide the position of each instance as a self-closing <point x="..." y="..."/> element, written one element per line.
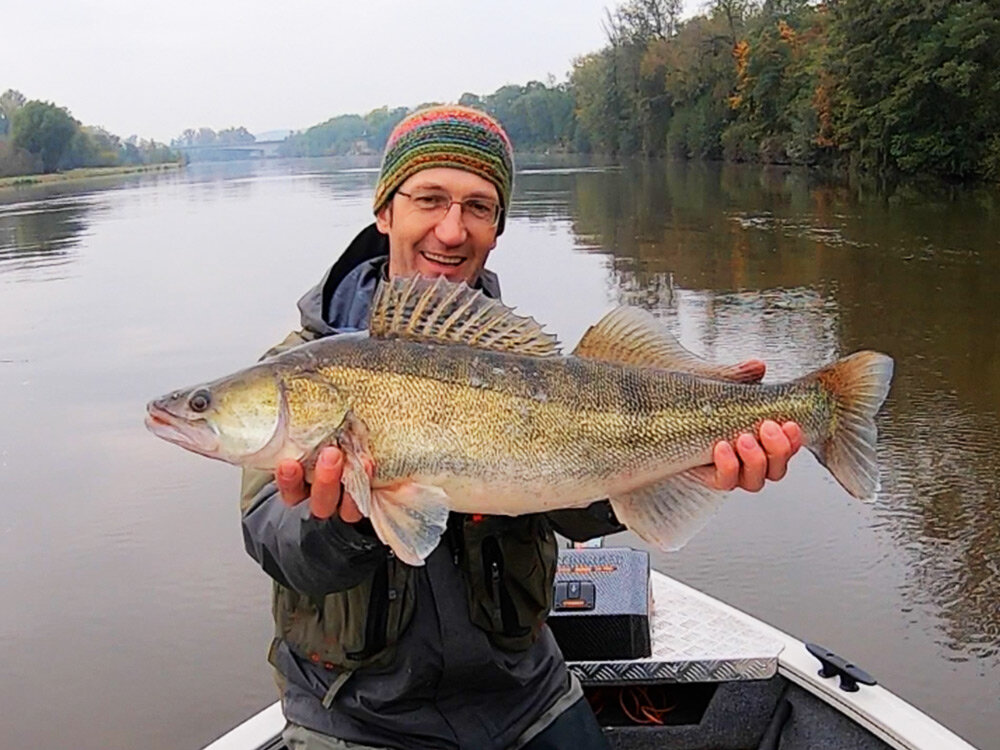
<point x="193" y="274"/>
<point x="37" y="238"/>
<point x="941" y="505"/>
<point x="770" y="263"/>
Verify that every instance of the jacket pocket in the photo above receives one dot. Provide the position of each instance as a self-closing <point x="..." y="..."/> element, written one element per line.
<point x="509" y="572"/>
<point x="352" y="628"/>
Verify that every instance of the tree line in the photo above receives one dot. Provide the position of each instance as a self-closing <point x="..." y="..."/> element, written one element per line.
<point x="207" y="137"/>
<point x="888" y="87"/>
<point x="39" y="137"/>
<point x="895" y="86"/>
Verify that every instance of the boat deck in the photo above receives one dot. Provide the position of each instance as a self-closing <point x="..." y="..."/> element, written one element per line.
<point x="693" y="640"/>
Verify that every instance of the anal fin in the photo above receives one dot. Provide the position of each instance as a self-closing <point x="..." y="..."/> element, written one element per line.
<point x="670" y="512"/>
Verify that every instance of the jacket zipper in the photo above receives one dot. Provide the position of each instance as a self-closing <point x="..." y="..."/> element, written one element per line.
<point x="502" y="602"/>
<point x="378" y="615"/>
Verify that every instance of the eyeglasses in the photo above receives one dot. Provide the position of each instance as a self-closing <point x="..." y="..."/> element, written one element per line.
<point x="437" y="205"/>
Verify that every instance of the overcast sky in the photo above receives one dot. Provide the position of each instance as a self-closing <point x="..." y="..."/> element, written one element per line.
<point x="154" y="69"/>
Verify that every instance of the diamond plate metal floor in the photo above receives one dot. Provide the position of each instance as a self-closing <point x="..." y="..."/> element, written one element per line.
<point x="693" y="641"/>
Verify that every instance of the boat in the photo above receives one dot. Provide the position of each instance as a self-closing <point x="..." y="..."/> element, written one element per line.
<point x="716" y="678"/>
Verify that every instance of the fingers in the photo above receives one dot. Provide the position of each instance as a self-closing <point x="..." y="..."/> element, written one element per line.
<point x="326" y="494"/>
<point x="324" y="497"/>
<point x="754" y="463"/>
<point x="749" y="463"/>
<point x="349" y="512"/>
<point x="727" y="466"/>
<point x="794" y="434"/>
<point x="778" y="448"/>
<point x="291" y="482"/>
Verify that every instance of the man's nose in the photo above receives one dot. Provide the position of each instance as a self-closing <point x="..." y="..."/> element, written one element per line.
<point x="451" y="229"/>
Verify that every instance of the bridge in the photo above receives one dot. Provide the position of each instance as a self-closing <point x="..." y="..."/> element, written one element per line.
<point x="255" y="150"/>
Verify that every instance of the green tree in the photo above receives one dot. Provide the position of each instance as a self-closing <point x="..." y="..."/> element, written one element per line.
<point x="187" y="138"/>
<point x="205" y="137"/>
<point x="379" y="124"/>
<point x="641" y="21"/>
<point x="698" y="75"/>
<point x="234" y="137"/>
<point x="916" y="88"/>
<point x="338" y="135"/>
<point x="734" y="13"/>
<point x="10" y="102"/>
<point x="44" y="129"/>
<point x="594" y="93"/>
<point x="536" y="115"/>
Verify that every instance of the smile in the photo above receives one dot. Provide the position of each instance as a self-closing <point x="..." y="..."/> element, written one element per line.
<point x="444" y="260"/>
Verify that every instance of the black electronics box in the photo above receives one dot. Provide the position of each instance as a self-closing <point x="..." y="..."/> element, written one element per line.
<point x="603" y="604"/>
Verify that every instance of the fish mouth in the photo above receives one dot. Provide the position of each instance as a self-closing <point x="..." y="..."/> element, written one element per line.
<point x="198" y="436"/>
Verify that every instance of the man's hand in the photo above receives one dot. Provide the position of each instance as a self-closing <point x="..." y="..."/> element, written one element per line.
<point x="747" y="463"/>
<point x="326" y="494"/>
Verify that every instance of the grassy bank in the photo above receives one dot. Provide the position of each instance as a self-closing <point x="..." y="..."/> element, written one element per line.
<point x="84" y="173"/>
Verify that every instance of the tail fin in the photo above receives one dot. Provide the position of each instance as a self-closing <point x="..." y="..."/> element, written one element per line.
<point x="859" y="384"/>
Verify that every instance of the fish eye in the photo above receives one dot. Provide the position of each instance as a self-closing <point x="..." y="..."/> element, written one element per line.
<point x="200" y="400"/>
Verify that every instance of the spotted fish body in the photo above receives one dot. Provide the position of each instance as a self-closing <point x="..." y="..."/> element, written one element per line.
<point x="516" y="435"/>
<point x="464" y="406"/>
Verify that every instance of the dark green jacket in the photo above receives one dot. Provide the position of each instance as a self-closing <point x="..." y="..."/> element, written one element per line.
<point x="454" y="654"/>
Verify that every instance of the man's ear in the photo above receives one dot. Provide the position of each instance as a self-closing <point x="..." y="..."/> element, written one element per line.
<point x="383" y="219"/>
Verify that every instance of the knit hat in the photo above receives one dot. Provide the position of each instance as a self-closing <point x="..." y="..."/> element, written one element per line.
<point x="447" y="136"/>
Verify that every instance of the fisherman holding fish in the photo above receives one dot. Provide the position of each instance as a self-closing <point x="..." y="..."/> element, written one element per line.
<point x="402" y="487"/>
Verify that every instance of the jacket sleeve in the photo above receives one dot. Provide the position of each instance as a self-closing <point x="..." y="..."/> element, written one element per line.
<point x="303" y="553"/>
<point x="581" y="524"/>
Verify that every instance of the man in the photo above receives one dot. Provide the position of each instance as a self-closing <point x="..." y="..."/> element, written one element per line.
<point x="371" y="652"/>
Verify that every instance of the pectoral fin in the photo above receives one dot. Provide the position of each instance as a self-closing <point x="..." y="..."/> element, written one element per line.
<point x="669" y="512"/>
<point x="407" y="516"/>
<point x="352" y="439"/>
<point x="632" y="336"/>
<point x="410" y="518"/>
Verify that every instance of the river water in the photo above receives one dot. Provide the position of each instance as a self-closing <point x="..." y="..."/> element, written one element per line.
<point x="132" y="617"/>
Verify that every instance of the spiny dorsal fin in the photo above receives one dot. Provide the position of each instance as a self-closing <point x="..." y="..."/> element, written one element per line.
<point x="632" y="336"/>
<point x="440" y="311"/>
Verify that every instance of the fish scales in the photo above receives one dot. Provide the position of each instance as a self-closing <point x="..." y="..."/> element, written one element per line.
<point x="439" y="410"/>
<point x="461" y="405"/>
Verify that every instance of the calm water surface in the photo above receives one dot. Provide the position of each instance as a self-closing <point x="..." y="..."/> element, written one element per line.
<point x="134" y="619"/>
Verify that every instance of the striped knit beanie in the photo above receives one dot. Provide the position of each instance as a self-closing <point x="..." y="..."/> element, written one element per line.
<point x="447" y="136"/>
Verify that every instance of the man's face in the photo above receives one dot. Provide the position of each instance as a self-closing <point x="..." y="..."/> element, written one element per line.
<point x="454" y="245"/>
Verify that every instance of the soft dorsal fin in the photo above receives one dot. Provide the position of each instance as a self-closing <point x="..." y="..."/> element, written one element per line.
<point x="632" y="336"/>
<point x="440" y="311"/>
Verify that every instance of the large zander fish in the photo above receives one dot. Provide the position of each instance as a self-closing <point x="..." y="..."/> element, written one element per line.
<point x="465" y="406"/>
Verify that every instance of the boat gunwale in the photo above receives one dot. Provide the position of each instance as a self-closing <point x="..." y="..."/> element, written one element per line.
<point x="874" y="708"/>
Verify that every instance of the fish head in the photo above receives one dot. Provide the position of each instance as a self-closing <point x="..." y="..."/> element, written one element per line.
<point x="239" y="419"/>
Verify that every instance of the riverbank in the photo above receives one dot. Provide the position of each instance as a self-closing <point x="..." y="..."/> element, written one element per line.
<point x="84" y="173"/>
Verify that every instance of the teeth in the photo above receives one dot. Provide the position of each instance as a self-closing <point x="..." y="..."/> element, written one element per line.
<point x="446" y="260"/>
